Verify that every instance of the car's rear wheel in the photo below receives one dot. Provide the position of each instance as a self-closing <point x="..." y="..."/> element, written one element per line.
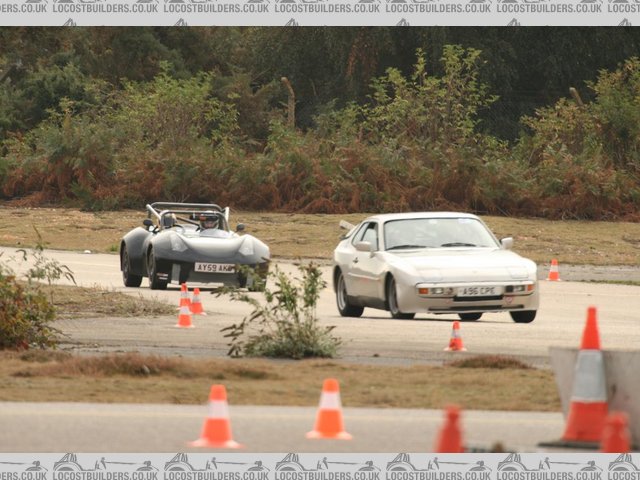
<point x="129" y="279"/>
<point x="523" y="316"/>
<point x="345" y="308"/>
<point x="152" y="269"/>
<point x="392" y="302"/>
<point x="469" y="317"/>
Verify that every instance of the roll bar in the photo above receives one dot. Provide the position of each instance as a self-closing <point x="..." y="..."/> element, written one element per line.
<point x="158" y="209"/>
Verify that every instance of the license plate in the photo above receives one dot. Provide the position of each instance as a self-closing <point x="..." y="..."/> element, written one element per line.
<point x="215" y="267"/>
<point x="479" y="291"/>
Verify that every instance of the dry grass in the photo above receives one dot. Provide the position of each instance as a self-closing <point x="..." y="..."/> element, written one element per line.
<point x="489" y="361"/>
<point x="74" y="302"/>
<point x="52" y="376"/>
<point x="315" y="235"/>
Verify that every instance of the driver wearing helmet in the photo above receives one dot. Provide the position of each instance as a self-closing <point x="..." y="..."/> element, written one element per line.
<point x="208" y="220"/>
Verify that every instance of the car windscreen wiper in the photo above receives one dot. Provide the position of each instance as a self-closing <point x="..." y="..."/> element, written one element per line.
<point x="458" y="244"/>
<point x="399" y="247"/>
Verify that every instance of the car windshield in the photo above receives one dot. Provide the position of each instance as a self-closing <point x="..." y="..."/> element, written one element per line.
<point x="436" y="233"/>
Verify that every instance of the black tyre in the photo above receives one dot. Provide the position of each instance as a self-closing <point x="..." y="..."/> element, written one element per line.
<point x="129" y="279"/>
<point x="523" y="316"/>
<point x="183" y="277"/>
<point x="469" y="317"/>
<point x="342" y="299"/>
<point x="392" y="302"/>
<point x="152" y="269"/>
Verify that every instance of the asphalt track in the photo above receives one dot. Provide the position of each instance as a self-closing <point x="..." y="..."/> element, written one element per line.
<point x="375" y="338"/>
<point x="81" y="427"/>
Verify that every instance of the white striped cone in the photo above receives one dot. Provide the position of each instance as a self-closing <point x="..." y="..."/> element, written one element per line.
<point x="588" y="408"/>
<point x="455" y="343"/>
<point x="554" y="273"/>
<point x="184" y="297"/>
<point x="216" y="431"/>
<point x="196" y="304"/>
<point x="184" y="318"/>
<point x="329" y="423"/>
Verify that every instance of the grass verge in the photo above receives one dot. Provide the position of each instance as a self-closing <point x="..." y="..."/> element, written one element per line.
<point x="316" y="235"/>
<point x="58" y="376"/>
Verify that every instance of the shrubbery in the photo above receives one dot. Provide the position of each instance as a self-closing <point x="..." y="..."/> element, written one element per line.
<point x="26" y="312"/>
<point x="416" y="144"/>
<point x="25" y="316"/>
<point x="284" y="323"/>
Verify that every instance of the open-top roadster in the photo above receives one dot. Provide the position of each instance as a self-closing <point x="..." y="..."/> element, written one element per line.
<point x="182" y="242"/>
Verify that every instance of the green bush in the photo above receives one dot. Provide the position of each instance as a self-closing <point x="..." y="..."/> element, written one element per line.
<point x="25" y="315"/>
<point x="25" y="310"/>
<point x="285" y="325"/>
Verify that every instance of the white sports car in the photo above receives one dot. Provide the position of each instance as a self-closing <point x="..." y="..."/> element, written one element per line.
<point x="439" y="262"/>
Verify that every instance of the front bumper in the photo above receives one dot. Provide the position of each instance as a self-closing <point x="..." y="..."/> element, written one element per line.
<point x="510" y="296"/>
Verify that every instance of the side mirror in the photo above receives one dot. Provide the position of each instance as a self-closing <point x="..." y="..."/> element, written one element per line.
<point x="147" y="222"/>
<point x="240" y="227"/>
<point x="364" y="247"/>
<point x="507" y="243"/>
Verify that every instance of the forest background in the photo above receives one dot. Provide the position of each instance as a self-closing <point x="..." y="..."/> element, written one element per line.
<point x="385" y="119"/>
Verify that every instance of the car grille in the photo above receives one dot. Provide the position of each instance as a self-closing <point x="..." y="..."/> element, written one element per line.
<point x="486" y="308"/>
<point x="477" y="299"/>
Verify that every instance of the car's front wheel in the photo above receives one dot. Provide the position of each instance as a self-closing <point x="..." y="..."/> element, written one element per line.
<point x="129" y="279"/>
<point x="392" y="302"/>
<point x="469" y="317"/>
<point x="523" y="316"/>
<point x="345" y="308"/>
<point x="152" y="270"/>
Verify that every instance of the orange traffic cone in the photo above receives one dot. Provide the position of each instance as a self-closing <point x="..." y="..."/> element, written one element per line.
<point x="554" y="274"/>
<point x="184" y="318"/>
<point x="184" y="297"/>
<point x="196" y="305"/>
<point x="216" y="431"/>
<point x="329" y="422"/>
<point x="455" y="343"/>
<point x="449" y="439"/>
<point x="615" y="435"/>
<point x="588" y="408"/>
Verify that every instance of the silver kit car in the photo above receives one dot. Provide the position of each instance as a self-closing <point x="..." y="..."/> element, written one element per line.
<point x="191" y="242"/>
<point x="437" y="263"/>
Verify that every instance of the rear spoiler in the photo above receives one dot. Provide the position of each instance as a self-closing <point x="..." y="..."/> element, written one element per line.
<point x="346" y="225"/>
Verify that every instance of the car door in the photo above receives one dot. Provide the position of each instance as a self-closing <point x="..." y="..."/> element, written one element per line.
<point x="365" y="268"/>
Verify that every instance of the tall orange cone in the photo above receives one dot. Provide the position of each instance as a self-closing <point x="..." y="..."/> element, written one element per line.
<point x="329" y="423"/>
<point x="588" y="408"/>
<point x="196" y="304"/>
<point x="216" y="431"/>
<point x="615" y="435"/>
<point x="554" y="274"/>
<point x="184" y="318"/>
<point x="455" y="343"/>
<point x="449" y="438"/>
<point x="184" y="297"/>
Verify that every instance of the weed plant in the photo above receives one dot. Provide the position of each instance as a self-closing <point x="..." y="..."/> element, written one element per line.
<point x="285" y="324"/>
